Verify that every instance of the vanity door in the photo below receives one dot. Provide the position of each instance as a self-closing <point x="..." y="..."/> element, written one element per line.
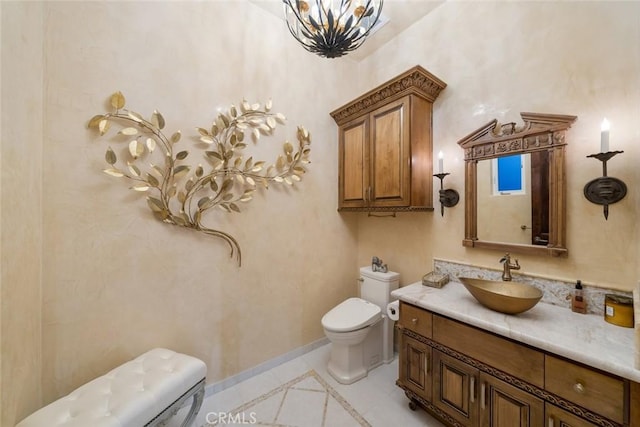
<point x="503" y="405"/>
<point x="455" y="389"/>
<point x="557" y="417"/>
<point x="415" y="366"/>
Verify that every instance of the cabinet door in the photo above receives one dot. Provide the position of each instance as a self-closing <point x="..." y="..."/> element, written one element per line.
<point x="390" y="155"/>
<point x="415" y="366"/>
<point x="454" y="388"/>
<point x="557" y="417"/>
<point x="503" y="405"/>
<point x="354" y="163"/>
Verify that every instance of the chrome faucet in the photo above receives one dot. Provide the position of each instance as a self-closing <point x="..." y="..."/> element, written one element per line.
<point x="507" y="267"/>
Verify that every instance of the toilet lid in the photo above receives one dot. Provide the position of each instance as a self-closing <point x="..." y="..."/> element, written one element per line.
<point x="351" y="315"/>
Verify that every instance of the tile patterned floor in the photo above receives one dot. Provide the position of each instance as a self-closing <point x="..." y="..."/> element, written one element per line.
<point x="300" y="402"/>
<point x="301" y="393"/>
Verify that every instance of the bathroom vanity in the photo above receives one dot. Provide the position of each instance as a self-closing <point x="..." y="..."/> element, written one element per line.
<point x="471" y="366"/>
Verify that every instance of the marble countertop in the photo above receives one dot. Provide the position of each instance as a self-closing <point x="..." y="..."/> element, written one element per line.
<point x="584" y="338"/>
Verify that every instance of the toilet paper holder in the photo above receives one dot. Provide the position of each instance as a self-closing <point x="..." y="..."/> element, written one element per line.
<point x="393" y="310"/>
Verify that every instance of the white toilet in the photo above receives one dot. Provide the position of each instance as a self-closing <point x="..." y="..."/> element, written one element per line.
<point x="361" y="334"/>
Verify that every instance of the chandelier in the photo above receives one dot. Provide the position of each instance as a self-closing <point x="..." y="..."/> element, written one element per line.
<point x="331" y="28"/>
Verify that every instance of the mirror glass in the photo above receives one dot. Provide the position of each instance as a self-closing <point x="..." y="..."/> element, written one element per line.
<point x="513" y="193"/>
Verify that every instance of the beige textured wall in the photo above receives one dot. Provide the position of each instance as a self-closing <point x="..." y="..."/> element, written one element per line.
<point x="115" y="281"/>
<point x="403" y="243"/>
<point x="502" y="58"/>
<point x="21" y="212"/>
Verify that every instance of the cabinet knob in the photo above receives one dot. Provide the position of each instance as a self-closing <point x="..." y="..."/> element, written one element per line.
<point x="578" y="387"/>
<point x="414" y="321"/>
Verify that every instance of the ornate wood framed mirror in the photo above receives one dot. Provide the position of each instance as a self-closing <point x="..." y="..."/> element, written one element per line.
<point x="515" y="185"/>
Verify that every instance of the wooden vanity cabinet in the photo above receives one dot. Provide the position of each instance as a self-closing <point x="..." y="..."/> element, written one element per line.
<point x="478" y="378"/>
<point x="415" y="366"/>
<point x="586" y="387"/>
<point x="558" y="417"/>
<point x="417" y="320"/>
<point x="503" y="405"/>
<point x="385" y="146"/>
<point x="510" y="357"/>
<point x="474" y="398"/>
<point x="415" y="362"/>
<point x="455" y="391"/>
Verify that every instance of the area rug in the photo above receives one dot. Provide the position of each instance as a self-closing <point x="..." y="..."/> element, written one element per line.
<point x="305" y="401"/>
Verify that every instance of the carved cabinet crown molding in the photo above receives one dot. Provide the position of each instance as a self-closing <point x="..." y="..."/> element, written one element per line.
<point x="416" y="80"/>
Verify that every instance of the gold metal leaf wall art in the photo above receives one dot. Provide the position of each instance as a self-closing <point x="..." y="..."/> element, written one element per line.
<point x="181" y="194"/>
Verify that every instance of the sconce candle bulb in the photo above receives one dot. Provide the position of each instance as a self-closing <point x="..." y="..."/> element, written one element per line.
<point x="604" y="136"/>
<point x="440" y="161"/>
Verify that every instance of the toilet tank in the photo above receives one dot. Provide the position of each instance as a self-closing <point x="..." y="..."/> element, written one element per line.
<point x="376" y="286"/>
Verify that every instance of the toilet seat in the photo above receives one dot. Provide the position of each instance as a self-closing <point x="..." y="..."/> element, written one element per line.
<point x="350" y="315"/>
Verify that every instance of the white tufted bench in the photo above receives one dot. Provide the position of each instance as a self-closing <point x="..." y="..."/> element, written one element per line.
<point x="146" y="391"/>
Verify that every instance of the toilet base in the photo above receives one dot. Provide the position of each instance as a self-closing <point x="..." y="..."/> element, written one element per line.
<point x="346" y="363"/>
<point x="355" y="353"/>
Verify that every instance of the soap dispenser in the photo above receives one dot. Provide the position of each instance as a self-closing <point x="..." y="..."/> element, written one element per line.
<point x="578" y="303"/>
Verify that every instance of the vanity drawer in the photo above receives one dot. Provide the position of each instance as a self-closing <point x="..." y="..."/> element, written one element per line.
<point x="595" y="391"/>
<point x="416" y="319"/>
<point x="501" y="353"/>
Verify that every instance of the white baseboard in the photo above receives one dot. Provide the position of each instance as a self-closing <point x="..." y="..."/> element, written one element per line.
<point x="263" y="367"/>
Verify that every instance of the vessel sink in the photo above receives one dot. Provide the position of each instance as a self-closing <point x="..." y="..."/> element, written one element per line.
<point x="505" y="297"/>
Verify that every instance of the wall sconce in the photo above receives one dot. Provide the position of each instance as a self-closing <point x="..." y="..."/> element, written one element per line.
<point x="605" y="190"/>
<point x="448" y="197"/>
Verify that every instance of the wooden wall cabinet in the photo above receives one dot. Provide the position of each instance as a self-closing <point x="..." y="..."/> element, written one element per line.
<point x="481" y="379"/>
<point x="385" y="145"/>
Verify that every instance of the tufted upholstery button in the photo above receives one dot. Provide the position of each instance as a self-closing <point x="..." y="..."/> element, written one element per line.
<point x="129" y="395"/>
